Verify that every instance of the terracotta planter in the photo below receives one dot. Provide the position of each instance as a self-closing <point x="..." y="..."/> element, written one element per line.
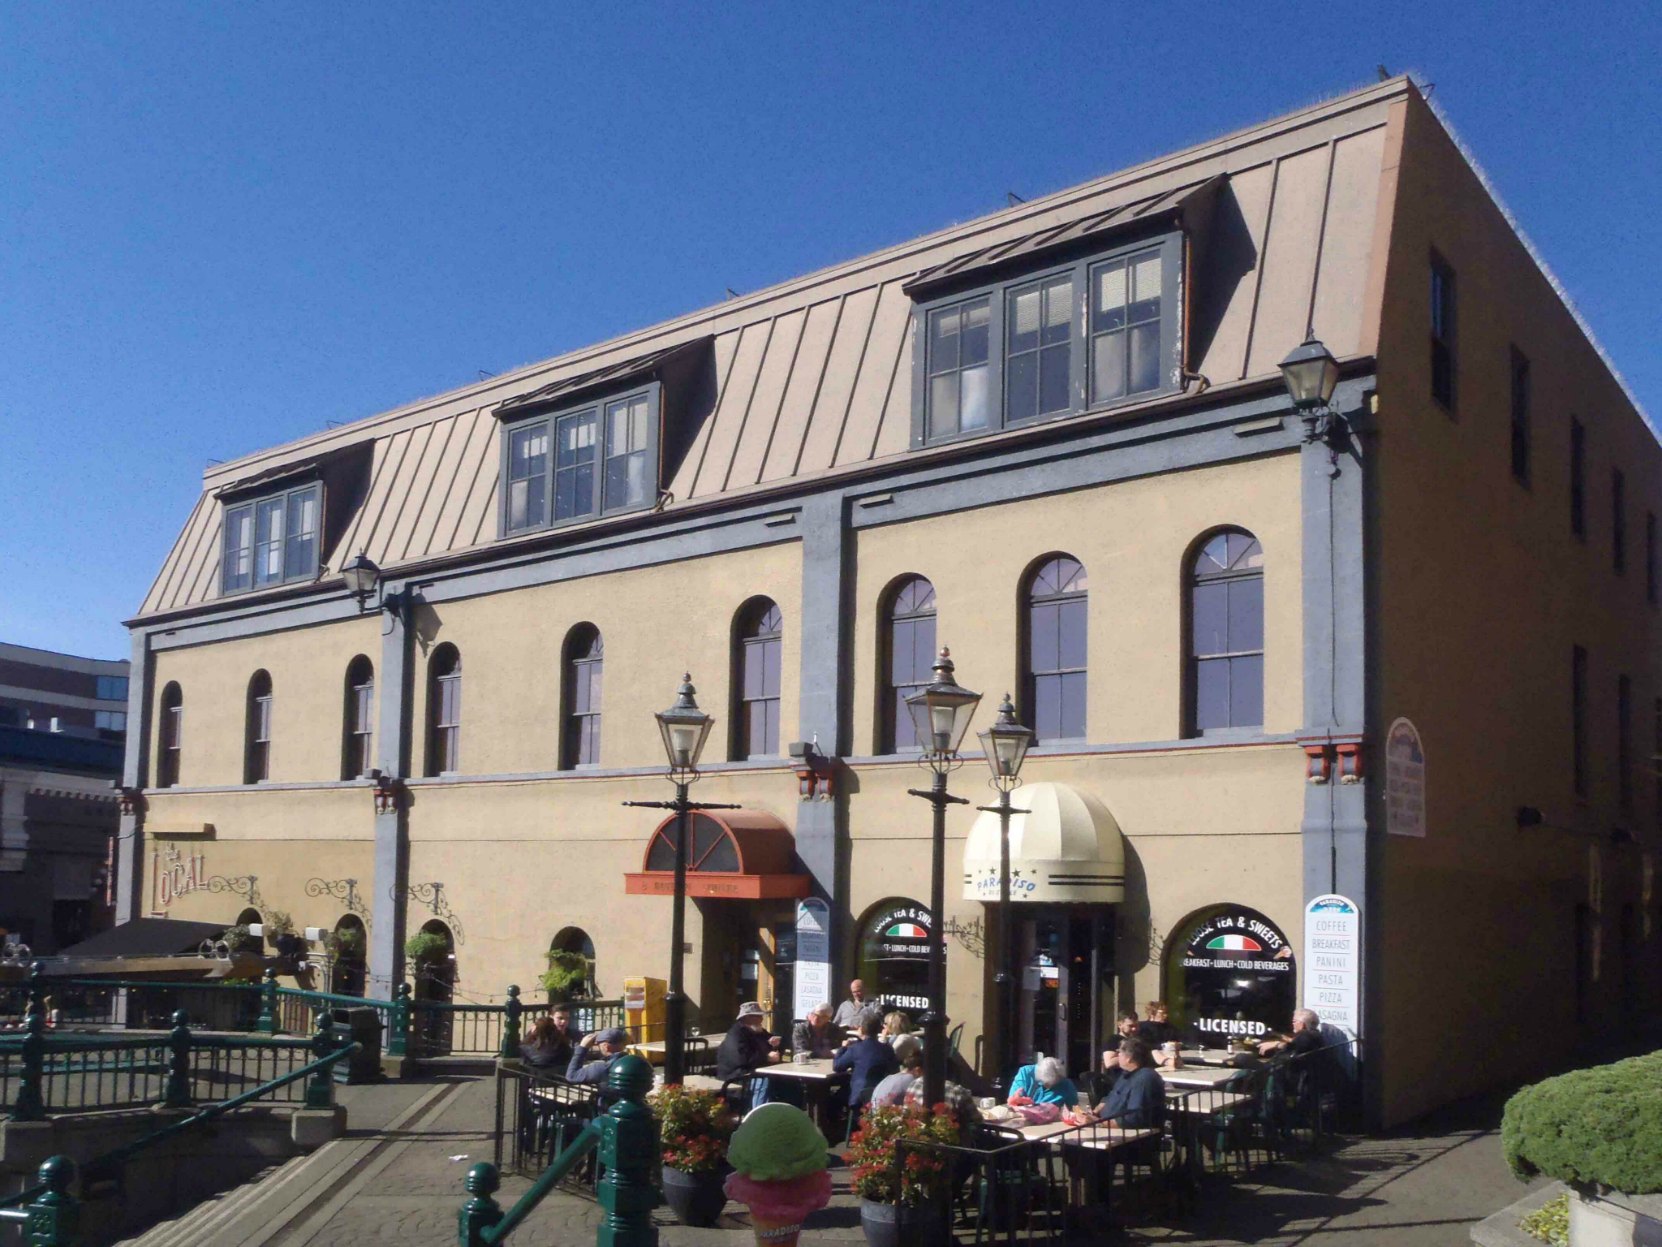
<point x="905" y="1225"/>
<point x="695" y="1198"/>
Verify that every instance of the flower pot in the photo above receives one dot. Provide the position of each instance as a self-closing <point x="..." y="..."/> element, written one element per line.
<point x="695" y="1198"/>
<point x="905" y="1225"/>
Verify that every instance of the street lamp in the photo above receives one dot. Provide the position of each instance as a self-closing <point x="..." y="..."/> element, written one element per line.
<point x="941" y="714"/>
<point x="1005" y="744"/>
<point x="1311" y="374"/>
<point x="362" y="576"/>
<point x="684" y="728"/>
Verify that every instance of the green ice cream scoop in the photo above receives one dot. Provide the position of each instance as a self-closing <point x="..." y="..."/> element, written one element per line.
<point x="775" y="1142"/>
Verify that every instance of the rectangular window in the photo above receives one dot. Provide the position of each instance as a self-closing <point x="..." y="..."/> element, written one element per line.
<point x="583" y="742"/>
<point x="1618" y="521"/>
<point x="1578" y="478"/>
<point x="1650" y="557"/>
<point x="112" y="688"/>
<point x="447" y="724"/>
<point x="259" y="740"/>
<point x="1098" y="330"/>
<point x="1578" y="719"/>
<point x="1624" y="741"/>
<point x="173" y="723"/>
<point x="575" y="465"/>
<point x="360" y="743"/>
<point x="109" y="720"/>
<point x="1442" y="332"/>
<point x="272" y="540"/>
<point x="1520" y="416"/>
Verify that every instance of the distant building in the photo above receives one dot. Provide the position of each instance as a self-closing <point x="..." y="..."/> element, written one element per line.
<point x="62" y="723"/>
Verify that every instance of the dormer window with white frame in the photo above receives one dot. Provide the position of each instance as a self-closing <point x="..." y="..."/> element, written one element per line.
<point x="272" y="540"/>
<point x="591" y="459"/>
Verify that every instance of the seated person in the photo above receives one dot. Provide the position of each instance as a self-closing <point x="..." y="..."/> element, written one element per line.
<point x="895" y="1024"/>
<point x="867" y="1061"/>
<point x="747" y="1044"/>
<point x="542" y="1049"/>
<point x="958" y="1100"/>
<point x="815" y="1035"/>
<point x="1103" y="1083"/>
<point x="850" y="1012"/>
<point x="590" y="1067"/>
<point x="908" y="1050"/>
<point x="1306" y="1036"/>
<point x="1156" y="1027"/>
<point x="1043" y="1082"/>
<point x="1138" y="1100"/>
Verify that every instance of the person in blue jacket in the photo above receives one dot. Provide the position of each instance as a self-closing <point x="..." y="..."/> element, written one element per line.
<point x="589" y="1066"/>
<point x="867" y="1061"/>
<point x="1043" y="1082"/>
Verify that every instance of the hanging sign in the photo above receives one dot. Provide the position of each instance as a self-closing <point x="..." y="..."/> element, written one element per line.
<point x="898" y="933"/>
<point x="1238" y="974"/>
<point x="1404" y="781"/>
<point x="1333" y="962"/>
<point x="813" y="955"/>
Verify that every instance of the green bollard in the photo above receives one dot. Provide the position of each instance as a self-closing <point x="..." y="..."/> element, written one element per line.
<point x="267" y="1025"/>
<point x="511" y="1014"/>
<point x="177" y="1093"/>
<point x="30" y="1104"/>
<point x="482" y="1211"/>
<point x="628" y="1149"/>
<point x="54" y="1216"/>
<point x="320" y="1087"/>
<point x="398" y="1022"/>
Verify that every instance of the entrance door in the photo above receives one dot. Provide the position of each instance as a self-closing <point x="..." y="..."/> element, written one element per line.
<point x="1067" y="958"/>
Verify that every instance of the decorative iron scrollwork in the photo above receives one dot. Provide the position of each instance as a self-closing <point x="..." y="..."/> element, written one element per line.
<point x="971" y="935"/>
<point x="245" y="886"/>
<point x="343" y="890"/>
<point x="432" y="896"/>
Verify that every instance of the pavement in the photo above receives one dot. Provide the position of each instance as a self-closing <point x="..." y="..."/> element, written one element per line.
<point x="1425" y="1184"/>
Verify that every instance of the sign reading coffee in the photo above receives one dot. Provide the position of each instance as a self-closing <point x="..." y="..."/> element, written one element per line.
<point x="894" y="954"/>
<point x="1231" y="974"/>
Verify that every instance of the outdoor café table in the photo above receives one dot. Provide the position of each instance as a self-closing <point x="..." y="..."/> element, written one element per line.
<point x="1191" y="1108"/>
<point x="817" y="1078"/>
<point x="1201" y="1076"/>
<point x="1093" y="1140"/>
<point x="1206" y="1056"/>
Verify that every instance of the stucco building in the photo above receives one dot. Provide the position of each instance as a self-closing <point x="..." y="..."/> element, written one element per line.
<point x="1411" y="664"/>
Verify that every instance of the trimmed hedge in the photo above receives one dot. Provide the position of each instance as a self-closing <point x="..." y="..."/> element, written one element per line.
<point x="1599" y="1126"/>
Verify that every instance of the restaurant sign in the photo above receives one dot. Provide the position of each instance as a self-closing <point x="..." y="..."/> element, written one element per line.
<point x="174" y="874"/>
<point x="898" y="932"/>
<point x="1237" y="974"/>
<point x="1404" y="781"/>
<point x="812" y="981"/>
<point x="1333" y="961"/>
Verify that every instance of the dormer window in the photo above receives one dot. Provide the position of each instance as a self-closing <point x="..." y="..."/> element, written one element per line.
<point x="272" y="540"/>
<point x="596" y="458"/>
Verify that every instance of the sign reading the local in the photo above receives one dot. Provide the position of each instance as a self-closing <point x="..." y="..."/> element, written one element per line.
<point x="174" y="874"/>
<point x="1333" y="961"/>
<point x="1237" y="973"/>
<point x="1404" y="781"/>
<point x="813" y="955"/>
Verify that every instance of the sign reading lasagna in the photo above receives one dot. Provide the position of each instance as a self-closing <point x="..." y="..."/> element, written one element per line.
<point x="1333" y="961"/>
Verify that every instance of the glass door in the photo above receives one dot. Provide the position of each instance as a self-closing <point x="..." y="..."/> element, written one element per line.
<point x="1067" y="960"/>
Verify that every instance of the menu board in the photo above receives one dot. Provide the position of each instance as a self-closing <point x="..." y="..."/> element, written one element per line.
<point x="1333" y="962"/>
<point x="813" y="955"/>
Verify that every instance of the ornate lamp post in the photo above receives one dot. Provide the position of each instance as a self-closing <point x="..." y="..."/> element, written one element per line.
<point x="684" y="728"/>
<point x="1311" y="374"/>
<point x="941" y="714"/>
<point x="1006" y="744"/>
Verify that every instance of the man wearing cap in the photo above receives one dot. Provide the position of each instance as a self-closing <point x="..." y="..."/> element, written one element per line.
<point x="589" y="1066"/>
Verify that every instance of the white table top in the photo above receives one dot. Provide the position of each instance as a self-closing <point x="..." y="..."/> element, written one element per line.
<point x="1207" y="1056"/>
<point x="1100" y="1137"/>
<point x="808" y="1071"/>
<point x="1198" y="1075"/>
<point x="1203" y="1104"/>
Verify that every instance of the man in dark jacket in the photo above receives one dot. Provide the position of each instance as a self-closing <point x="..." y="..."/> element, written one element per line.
<point x="1138" y="1099"/>
<point x="867" y="1061"/>
<point x="591" y="1067"/>
<point x="747" y="1045"/>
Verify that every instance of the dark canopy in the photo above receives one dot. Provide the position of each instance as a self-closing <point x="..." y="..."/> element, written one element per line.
<point x="147" y="937"/>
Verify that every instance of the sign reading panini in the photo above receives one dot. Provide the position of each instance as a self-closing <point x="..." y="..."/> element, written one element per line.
<point x="1238" y="940"/>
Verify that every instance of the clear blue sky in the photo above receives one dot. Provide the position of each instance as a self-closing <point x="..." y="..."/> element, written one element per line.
<point x="223" y="225"/>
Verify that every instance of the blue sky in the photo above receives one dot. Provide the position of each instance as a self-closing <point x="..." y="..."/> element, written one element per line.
<point x="222" y="226"/>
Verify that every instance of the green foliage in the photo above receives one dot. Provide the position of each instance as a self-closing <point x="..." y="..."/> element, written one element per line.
<point x="566" y="976"/>
<point x="346" y="942"/>
<point x="426" y="947"/>
<point x="693" y="1128"/>
<point x="277" y="923"/>
<point x="1599" y="1126"/>
<point x="1550" y="1222"/>
<point x="917" y="1178"/>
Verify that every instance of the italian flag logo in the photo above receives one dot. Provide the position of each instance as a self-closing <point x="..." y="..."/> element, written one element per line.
<point x="1235" y="944"/>
<point x="907" y="931"/>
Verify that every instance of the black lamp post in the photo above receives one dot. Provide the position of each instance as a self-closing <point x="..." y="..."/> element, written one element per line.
<point x="362" y="577"/>
<point x="941" y="714"/>
<point x="1005" y="744"/>
<point x="684" y="728"/>
<point x="1311" y="374"/>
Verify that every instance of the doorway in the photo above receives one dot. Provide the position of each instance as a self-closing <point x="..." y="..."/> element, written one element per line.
<point x="1066" y="953"/>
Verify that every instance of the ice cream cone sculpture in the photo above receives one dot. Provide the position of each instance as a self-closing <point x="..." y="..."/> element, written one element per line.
<point x="778" y="1159"/>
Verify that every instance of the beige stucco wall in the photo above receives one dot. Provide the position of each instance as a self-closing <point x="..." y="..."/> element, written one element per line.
<point x="1134" y="539"/>
<point x="1483" y="591"/>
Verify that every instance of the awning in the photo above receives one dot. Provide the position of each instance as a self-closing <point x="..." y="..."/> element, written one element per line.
<point x="611" y="376"/>
<point x="147" y="937"/>
<point x="741" y="855"/>
<point x="1066" y="847"/>
<point x="1188" y="202"/>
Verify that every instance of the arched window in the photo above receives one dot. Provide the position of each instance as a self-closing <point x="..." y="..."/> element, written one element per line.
<point x="583" y="663"/>
<point x="909" y="644"/>
<point x="444" y="711"/>
<point x="1055" y="661"/>
<point x="358" y="732"/>
<point x="256" y="753"/>
<point x="756" y="715"/>
<point x="350" y="948"/>
<point x="170" y="734"/>
<point x="1226" y="633"/>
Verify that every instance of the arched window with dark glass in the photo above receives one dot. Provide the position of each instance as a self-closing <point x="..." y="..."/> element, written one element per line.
<point x="908" y="651"/>
<point x="759" y="646"/>
<point x="583" y="662"/>
<point x="256" y="754"/>
<point x="170" y="735"/>
<point x="444" y="711"/>
<point x="358" y="728"/>
<point x="1226" y="633"/>
<point x="1055" y="668"/>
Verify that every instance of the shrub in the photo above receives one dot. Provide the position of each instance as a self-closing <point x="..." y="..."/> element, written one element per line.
<point x="1599" y="1126"/>
<point x="693" y="1128"/>
<point x="872" y="1152"/>
<point x="1550" y="1222"/>
<point x="277" y="923"/>
<point x="426" y="946"/>
<point x="346" y="942"/>
<point x="566" y="976"/>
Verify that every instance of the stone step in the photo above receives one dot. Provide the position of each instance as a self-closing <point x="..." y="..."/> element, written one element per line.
<point x="176" y="1231"/>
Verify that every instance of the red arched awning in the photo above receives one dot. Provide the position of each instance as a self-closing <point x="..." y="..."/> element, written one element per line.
<point x="740" y="855"/>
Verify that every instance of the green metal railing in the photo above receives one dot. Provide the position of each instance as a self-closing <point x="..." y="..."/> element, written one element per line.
<point x="626" y="1140"/>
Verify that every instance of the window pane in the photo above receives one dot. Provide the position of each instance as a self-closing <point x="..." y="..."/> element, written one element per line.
<point x="1145" y="288"/>
<point x="771" y="654"/>
<point x="977" y="320"/>
<point x="1246" y="614"/>
<point x="976" y="410"/>
<point x="1024" y="314"/>
<point x="1071" y="634"/>
<point x="1210" y="618"/>
<point x="1047" y="707"/>
<point x="300" y="554"/>
<point x="1246" y="691"/>
<point x="1022" y="386"/>
<point x="238" y="564"/>
<point x="1145" y="357"/>
<point x="943" y="405"/>
<point x="943" y="340"/>
<point x="1055" y="365"/>
<point x="1058" y="326"/>
<point x="1071" y="720"/>
<point x="1211" y="693"/>
<point x="268" y="541"/>
<point x="1108" y="308"/>
<point x="1108" y="366"/>
<point x="1045" y="631"/>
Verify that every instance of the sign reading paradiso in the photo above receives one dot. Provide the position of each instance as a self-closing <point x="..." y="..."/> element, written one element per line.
<point x="1236" y="974"/>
